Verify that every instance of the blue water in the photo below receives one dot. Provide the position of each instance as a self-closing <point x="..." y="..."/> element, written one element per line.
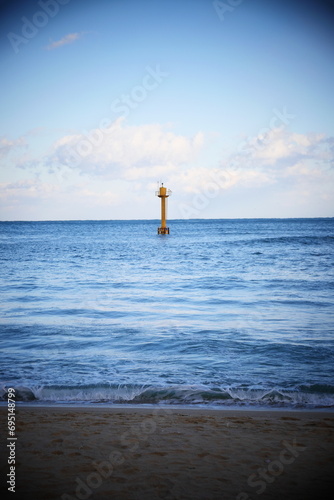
<point x="219" y="312"/>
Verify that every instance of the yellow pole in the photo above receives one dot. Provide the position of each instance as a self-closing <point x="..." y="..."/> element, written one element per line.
<point x="163" y="212"/>
<point x="163" y="194"/>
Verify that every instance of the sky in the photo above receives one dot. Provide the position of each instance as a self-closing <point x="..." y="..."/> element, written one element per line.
<point x="228" y="103"/>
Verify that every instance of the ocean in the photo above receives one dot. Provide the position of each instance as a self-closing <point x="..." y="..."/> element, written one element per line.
<point x="220" y="313"/>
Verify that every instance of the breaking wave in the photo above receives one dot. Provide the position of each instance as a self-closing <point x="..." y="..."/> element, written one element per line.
<point x="312" y="396"/>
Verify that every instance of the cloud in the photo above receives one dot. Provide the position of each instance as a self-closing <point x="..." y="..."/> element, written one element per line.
<point x="34" y="199"/>
<point x="70" y="38"/>
<point x="129" y="152"/>
<point x="288" y="165"/>
<point x="288" y="173"/>
<point x="280" y="147"/>
<point x="282" y="160"/>
<point x="105" y="198"/>
<point x="7" y="146"/>
<point x="32" y="188"/>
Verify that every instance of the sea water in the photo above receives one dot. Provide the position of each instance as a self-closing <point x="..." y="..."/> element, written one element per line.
<point x="219" y="312"/>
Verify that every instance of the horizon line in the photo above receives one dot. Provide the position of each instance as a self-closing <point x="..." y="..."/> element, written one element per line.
<point x="171" y="220"/>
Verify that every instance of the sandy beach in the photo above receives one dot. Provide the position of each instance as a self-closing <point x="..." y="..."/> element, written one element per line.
<point x="162" y="453"/>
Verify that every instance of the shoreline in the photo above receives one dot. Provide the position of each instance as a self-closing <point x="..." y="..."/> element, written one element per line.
<point x="159" y="452"/>
<point x="151" y="407"/>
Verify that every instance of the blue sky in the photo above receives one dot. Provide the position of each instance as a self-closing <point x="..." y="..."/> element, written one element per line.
<point x="229" y="103"/>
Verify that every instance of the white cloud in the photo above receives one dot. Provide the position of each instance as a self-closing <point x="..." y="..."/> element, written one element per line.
<point x="155" y="172"/>
<point x="65" y="40"/>
<point x="7" y="146"/>
<point x="297" y="166"/>
<point x="34" y="199"/>
<point x="286" y="169"/>
<point x="198" y="179"/>
<point x="130" y="152"/>
<point x="279" y="146"/>
<point x="30" y="188"/>
<point x="98" y="198"/>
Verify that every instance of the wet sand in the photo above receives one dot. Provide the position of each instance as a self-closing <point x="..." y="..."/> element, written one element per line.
<point x="145" y="453"/>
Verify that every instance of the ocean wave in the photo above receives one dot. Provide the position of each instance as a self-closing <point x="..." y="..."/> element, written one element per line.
<point x="293" y="239"/>
<point x="305" y="396"/>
